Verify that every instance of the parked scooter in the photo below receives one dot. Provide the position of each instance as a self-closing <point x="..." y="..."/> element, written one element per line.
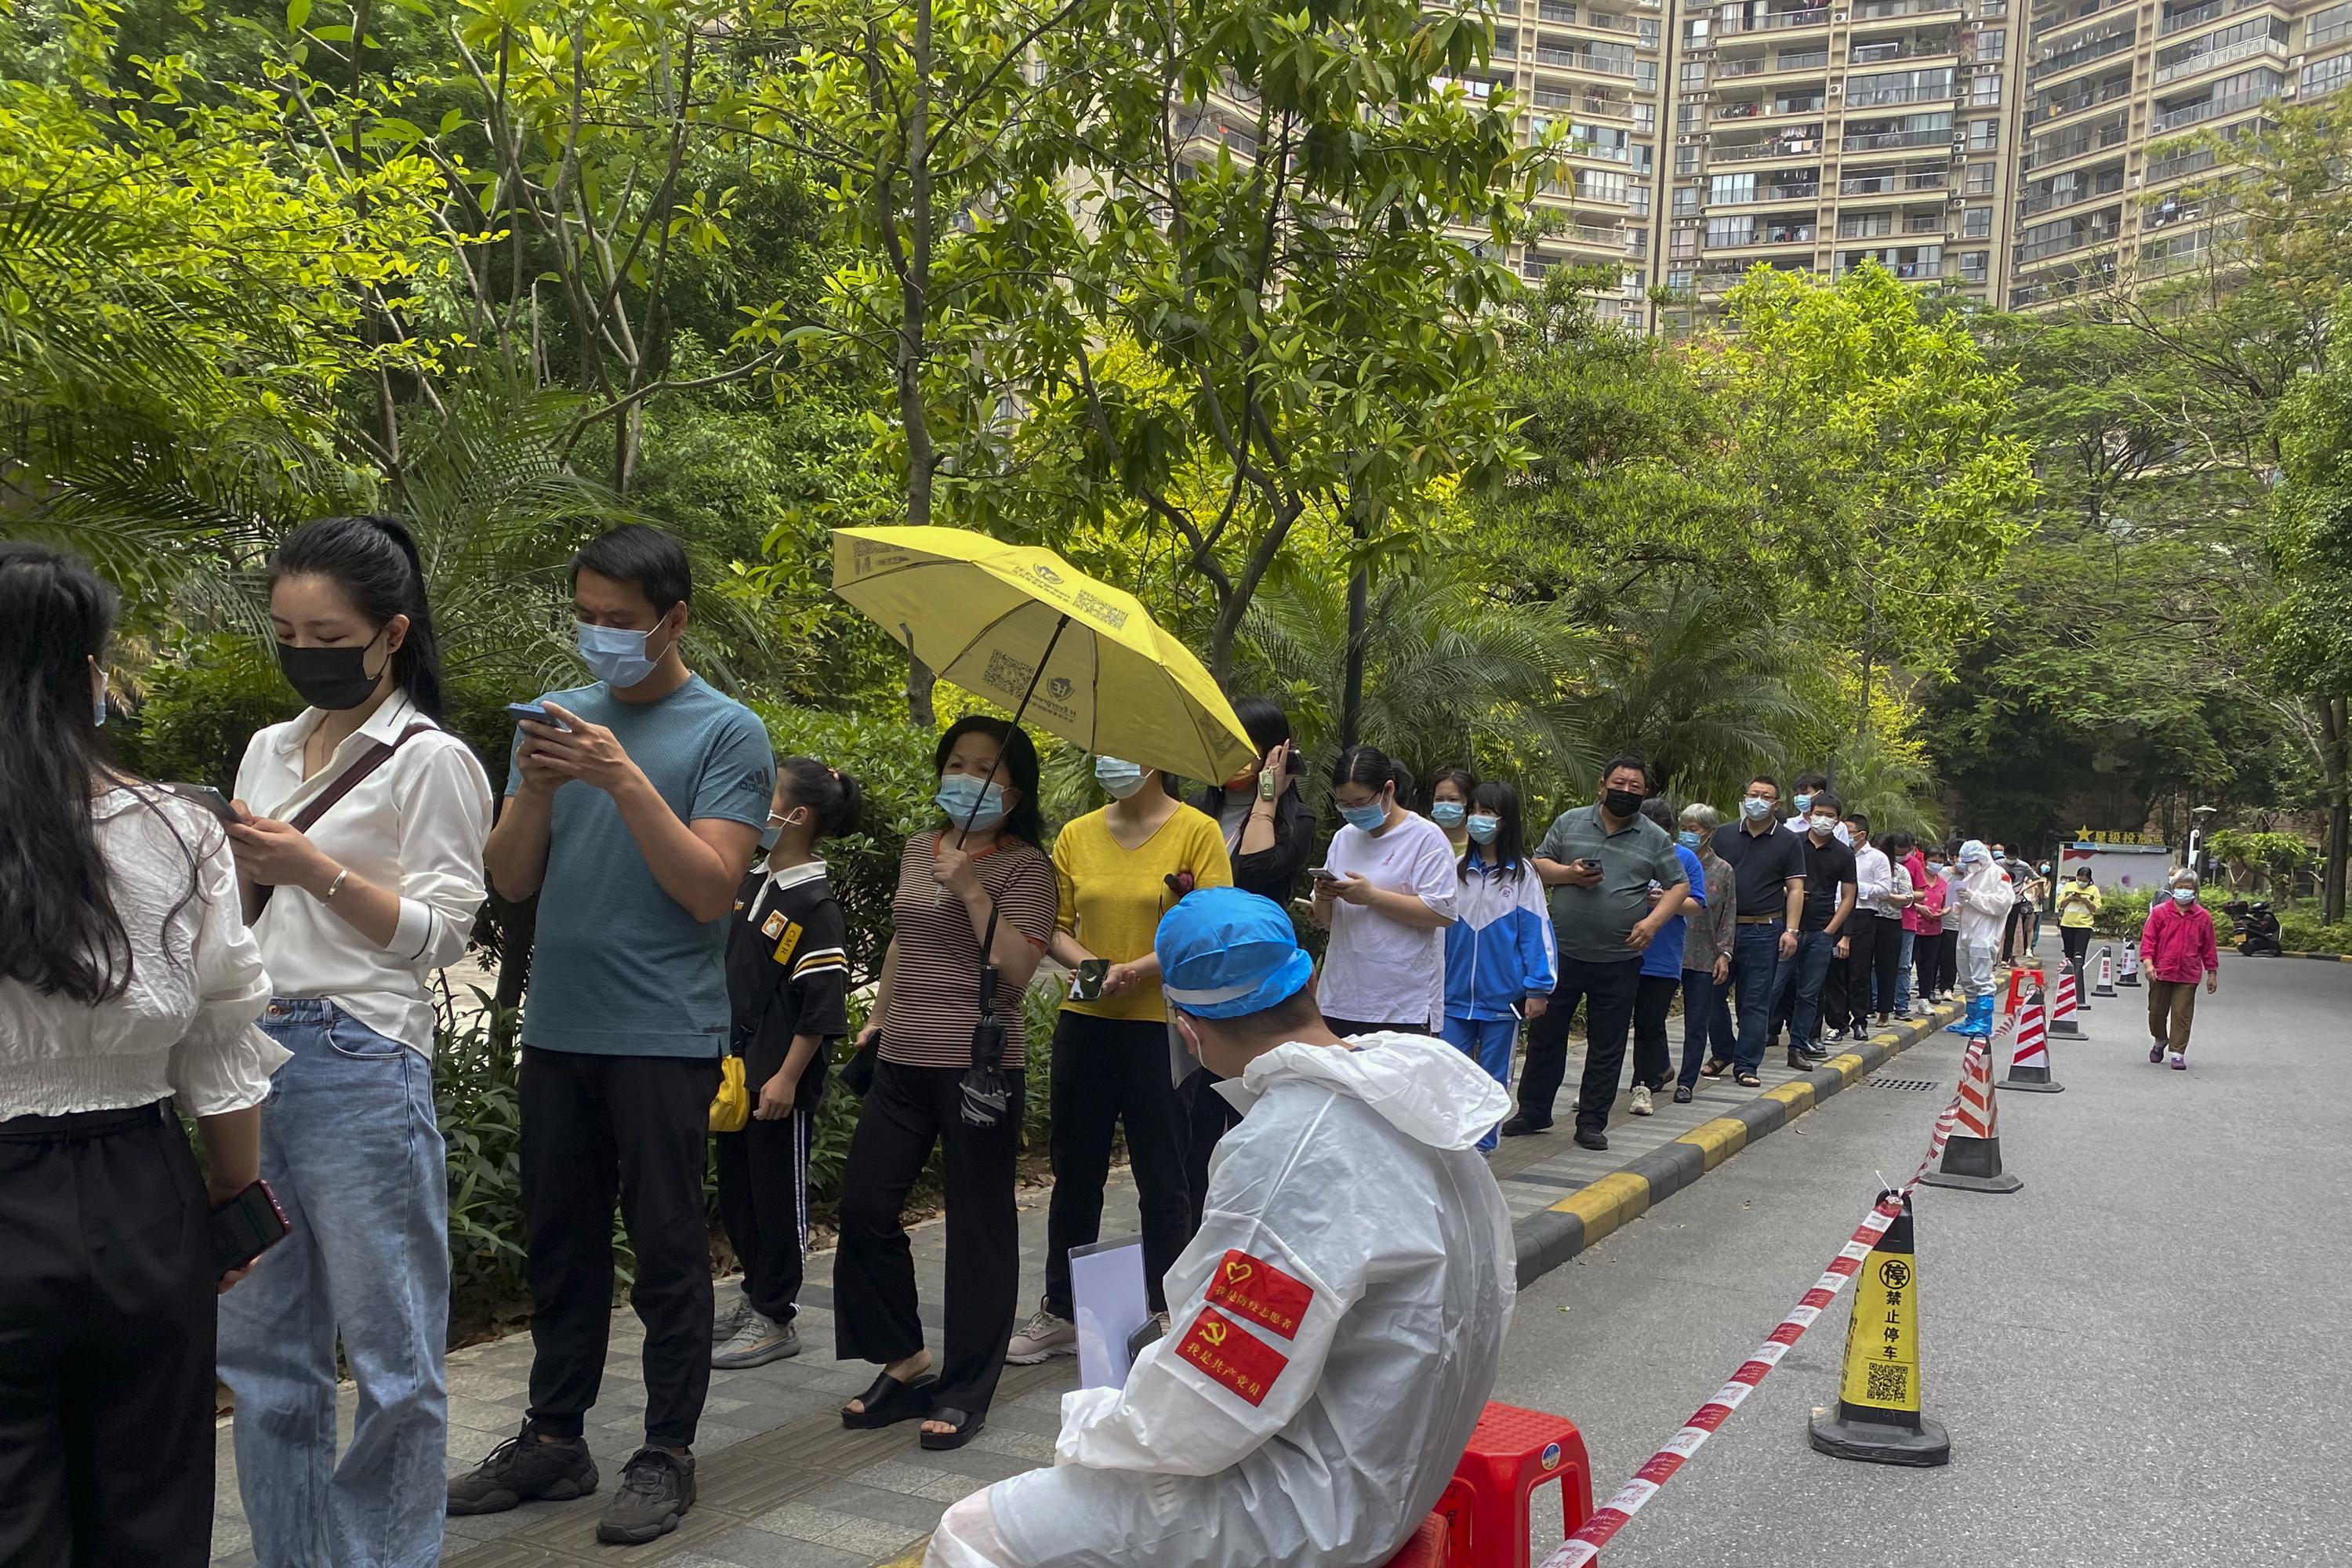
<point x="2253" y="928"/>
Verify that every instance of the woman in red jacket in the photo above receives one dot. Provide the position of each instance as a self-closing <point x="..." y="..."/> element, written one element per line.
<point x="2177" y="948"/>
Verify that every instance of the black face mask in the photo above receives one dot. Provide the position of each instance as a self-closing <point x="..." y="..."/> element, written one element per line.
<point x="1621" y="802"/>
<point x="329" y="678"/>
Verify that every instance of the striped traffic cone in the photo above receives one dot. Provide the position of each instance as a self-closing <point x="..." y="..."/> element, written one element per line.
<point x="1878" y="1417"/>
<point x="2106" y="986"/>
<point x="2029" y="1068"/>
<point x="2062" y="1025"/>
<point x="2129" y="974"/>
<point x="1972" y="1154"/>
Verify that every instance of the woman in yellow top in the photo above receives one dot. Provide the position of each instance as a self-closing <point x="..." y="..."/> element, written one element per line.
<point x="2078" y="907"/>
<point x="1120" y="869"/>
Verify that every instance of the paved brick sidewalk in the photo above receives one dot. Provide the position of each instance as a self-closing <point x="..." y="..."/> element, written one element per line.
<point x="783" y="1485"/>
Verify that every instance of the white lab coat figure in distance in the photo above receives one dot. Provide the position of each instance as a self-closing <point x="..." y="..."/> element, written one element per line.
<point x="1353" y="1208"/>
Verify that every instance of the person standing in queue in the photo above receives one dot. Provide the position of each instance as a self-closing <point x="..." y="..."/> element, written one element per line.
<point x="787" y="989"/>
<point x="1385" y="892"/>
<point x="354" y="912"/>
<point x="1270" y="840"/>
<point x="976" y="893"/>
<point x="1500" y="964"/>
<point x="2079" y="902"/>
<point x="1706" y="949"/>
<point x="1449" y="807"/>
<point x="1118" y="870"/>
<point x="631" y="810"/>
<point x="1824" y="931"/>
<point x="1661" y="973"/>
<point x="128" y="981"/>
<point x="1599" y="861"/>
<point x="1770" y="869"/>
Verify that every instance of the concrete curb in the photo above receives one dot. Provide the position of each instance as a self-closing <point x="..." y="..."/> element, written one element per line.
<point x="2322" y="957"/>
<point x="1546" y="1240"/>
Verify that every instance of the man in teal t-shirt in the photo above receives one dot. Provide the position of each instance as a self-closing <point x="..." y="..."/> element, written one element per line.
<point x="633" y="812"/>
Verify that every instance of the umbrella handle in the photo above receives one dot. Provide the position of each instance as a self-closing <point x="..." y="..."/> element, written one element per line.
<point x="1035" y="675"/>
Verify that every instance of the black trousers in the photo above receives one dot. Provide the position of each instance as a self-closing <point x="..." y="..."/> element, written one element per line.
<point x="1653" y="999"/>
<point x="2076" y="941"/>
<point x="636" y="1130"/>
<point x="1607" y="992"/>
<point x="1208" y="1116"/>
<point x="105" y="1344"/>
<point x="1108" y="1071"/>
<point x="1348" y="1029"/>
<point x="763" y="1203"/>
<point x="909" y="1110"/>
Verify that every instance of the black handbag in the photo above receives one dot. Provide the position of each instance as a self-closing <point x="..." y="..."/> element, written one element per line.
<point x="986" y="1096"/>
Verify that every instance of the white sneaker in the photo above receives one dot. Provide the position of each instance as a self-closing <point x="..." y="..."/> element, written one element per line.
<point x="1641" y="1099"/>
<point x="2176" y="1062"/>
<point x="1042" y="1336"/>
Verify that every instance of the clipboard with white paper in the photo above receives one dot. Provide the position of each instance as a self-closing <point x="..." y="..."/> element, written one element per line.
<point x="1111" y="1298"/>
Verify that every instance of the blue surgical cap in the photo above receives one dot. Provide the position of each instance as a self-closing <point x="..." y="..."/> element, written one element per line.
<point x="1225" y="953"/>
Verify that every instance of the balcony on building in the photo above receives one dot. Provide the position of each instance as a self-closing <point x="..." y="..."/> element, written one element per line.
<point x="2078" y="96"/>
<point x="1906" y="178"/>
<point x="2048" y="19"/>
<point x="2067" y="53"/>
<point x="1869" y="11"/>
<point x="1886" y="133"/>
<point x="1772" y="186"/>
<point x="2064" y="236"/>
<point x="1912" y="263"/>
<point x="2244" y="40"/>
<point x="2064" y="190"/>
<point x="2178" y="16"/>
<point x="1601" y="59"/>
<point x="2231" y="95"/>
<point x="2073" y="141"/>
<point x="1914" y="43"/>
<point x="1767" y="63"/>
<point x="1765" y="16"/>
<point x="1742" y="230"/>
<point x="1791" y="101"/>
<point x="1880" y="90"/>
<point x="1791" y="141"/>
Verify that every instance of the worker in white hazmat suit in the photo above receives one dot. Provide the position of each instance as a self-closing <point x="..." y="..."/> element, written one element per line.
<point x="1336" y="1323"/>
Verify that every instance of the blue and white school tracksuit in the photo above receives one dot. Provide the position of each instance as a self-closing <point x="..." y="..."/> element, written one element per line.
<point x="1498" y="953"/>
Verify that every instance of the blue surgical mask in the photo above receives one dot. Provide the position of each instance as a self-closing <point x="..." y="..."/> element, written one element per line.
<point x="1368" y="817"/>
<point x="1802" y="803"/>
<point x="1118" y="779"/>
<point x="770" y="833"/>
<point x="2184" y="895"/>
<point x="1447" y="813"/>
<point x="1688" y="837"/>
<point x="1754" y="808"/>
<point x="615" y="655"/>
<point x="959" y="793"/>
<point x="1483" y="829"/>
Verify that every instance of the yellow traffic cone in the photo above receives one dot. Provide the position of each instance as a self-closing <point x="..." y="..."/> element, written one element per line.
<point x="1877" y="1416"/>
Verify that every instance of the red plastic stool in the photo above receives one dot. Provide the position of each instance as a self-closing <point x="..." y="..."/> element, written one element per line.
<point x="1432" y="1546"/>
<point x="1511" y="1453"/>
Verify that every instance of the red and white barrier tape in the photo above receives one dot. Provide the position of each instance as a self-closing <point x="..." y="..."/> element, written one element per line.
<point x="1618" y="1511"/>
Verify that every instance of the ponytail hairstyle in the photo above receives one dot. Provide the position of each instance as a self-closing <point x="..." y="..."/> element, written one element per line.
<point x="374" y="560"/>
<point x="1509" y="852"/>
<point x="834" y="799"/>
<point x="65" y="935"/>
<point x="1370" y="767"/>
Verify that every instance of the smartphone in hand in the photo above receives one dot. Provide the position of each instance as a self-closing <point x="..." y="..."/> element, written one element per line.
<point x="211" y="799"/>
<point x="1087" y="983"/>
<point x="535" y="711"/>
<point x="246" y="1226"/>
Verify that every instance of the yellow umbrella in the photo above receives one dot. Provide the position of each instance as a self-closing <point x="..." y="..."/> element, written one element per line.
<point x="1024" y="628"/>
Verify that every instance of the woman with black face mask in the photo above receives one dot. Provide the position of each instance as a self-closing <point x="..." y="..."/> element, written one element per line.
<point x="360" y="853"/>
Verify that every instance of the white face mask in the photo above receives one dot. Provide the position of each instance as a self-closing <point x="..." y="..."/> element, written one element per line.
<point x="1825" y="826"/>
<point x="1754" y="808"/>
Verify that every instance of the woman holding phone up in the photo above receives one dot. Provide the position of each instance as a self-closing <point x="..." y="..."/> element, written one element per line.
<point x="127" y="981"/>
<point x="1386" y="893"/>
<point x="361" y="853"/>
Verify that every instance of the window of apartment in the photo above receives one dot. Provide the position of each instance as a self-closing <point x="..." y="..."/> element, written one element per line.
<point x="2327" y="76"/>
<point x="1600" y="185"/>
<point x="1686" y="160"/>
<point x="1637" y="198"/>
<point x="1506" y="42"/>
<point x="1802" y="60"/>
<point x="1645" y="76"/>
<point x="1993" y="42"/>
<point x="1684" y="245"/>
<point x="1980" y="180"/>
<point x="1686" y="116"/>
<point x="1984" y="135"/>
<point x="1730" y="190"/>
<point x="1731" y="231"/>
<point x="1602" y="140"/>
<point x="1866" y="226"/>
<point x="1628" y="281"/>
<point x="1797" y="101"/>
<point x="1976" y="223"/>
<point x="1641" y="157"/>
<point x="1645" y="117"/>
<point x="1556" y="11"/>
<point x="1678" y="278"/>
<point x="1645" y="32"/>
<point x="1975" y="266"/>
<point x="2326" y="27"/>
<point x="1984" y="90"/>
<point x="1695" y="30"/>
<point x="1899" y="86"/>
<point x="1694" y="73"/>
<point x="1686" y="201"/>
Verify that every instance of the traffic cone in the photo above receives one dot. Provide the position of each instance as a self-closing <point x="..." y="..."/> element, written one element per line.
<point x="1972" y="1154"/>
<point x="2106" y="986"/>
<point x="2130" y="976"/>
<point x="2062" y="1025"/>
<point x="2029" y="1068"/>
<point x="1878" y="1417"/>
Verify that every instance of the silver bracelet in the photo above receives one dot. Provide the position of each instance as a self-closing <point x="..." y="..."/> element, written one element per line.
<point x="336" y="885"/>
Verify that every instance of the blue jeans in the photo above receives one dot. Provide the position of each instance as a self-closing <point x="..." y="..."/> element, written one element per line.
<point x="1815" y="952"/>
<point x="350" y="1145"/>
<point x="1487" y="1042"/>
<point x="1760" y="977"/>
<point x="1903" y="976"/>
<point x="1706" y="1022"/>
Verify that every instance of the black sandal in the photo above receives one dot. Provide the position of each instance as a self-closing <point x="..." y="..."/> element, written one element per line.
<point x="966" y="1426"/>
<point x="1748" y="1080"/>
<point x="1713" y="1068"/>
<point x="889" y="1402"/>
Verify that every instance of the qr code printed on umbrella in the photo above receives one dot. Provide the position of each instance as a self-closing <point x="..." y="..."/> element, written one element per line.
<point x="1891" y="1385"/>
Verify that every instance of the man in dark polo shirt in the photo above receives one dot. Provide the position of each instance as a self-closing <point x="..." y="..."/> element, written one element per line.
<point x="1599" y="862"/>
<point x="1769" y="877"/>
<point x="1824" y="928"/>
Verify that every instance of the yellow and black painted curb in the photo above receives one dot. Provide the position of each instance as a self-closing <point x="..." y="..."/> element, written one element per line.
<point x="2322" y="957"/>
<point x="1550" y="1237"/>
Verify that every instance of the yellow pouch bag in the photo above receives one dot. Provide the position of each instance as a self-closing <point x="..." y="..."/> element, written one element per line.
<point x="731" y="1107"/>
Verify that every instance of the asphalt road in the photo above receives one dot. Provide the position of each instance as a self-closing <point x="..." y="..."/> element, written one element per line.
<point x="2143" y="1357"/>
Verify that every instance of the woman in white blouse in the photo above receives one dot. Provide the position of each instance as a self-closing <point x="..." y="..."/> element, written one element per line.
<point x="356" y="905"/>
<point x="126" y="979"/>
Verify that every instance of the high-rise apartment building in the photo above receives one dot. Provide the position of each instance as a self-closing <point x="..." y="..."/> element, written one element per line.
<point x="1971" y="143"/>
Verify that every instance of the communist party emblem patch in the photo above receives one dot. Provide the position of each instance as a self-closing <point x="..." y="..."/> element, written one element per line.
<point x="1252" y="1287"/>
<point x="1231" y="1355"/>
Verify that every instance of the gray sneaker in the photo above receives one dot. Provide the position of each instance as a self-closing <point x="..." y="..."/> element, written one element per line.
<point x="726" y="1324"/>
<point x="657" y="1488"/>
<point x="523" y="1470"/>
<point x="758" y="1339"/>
<point x="1042" y="1336"/>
